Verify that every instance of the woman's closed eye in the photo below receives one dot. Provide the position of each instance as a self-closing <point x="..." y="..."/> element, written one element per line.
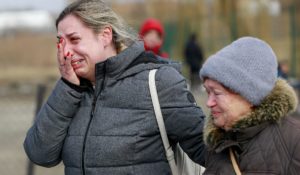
<point x="218" y="93"/>
<point x="75" y="39"/>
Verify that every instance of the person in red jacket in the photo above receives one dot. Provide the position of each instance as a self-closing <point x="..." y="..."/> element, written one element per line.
<point x="152" y="32"/>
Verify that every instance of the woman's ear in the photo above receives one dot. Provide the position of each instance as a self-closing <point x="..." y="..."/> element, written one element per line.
<point x="107" y="35"/>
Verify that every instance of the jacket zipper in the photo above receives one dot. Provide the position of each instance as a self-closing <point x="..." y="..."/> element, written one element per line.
<point x="91" y="118"/>
<point x="85" y="135"/>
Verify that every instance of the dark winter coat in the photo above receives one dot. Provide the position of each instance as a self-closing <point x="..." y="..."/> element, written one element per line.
<point x="111" y="129"/>
<point x="266" y="141"/>
<point x="193" y="55"/>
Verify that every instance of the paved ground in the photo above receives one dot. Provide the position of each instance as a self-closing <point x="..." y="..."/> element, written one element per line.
<point x="16" y="115"/>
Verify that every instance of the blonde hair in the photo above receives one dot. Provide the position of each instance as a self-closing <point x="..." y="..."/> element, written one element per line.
<point x="95" y="14"/>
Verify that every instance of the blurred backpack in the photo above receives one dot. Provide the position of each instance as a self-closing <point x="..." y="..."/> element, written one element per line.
<point x="183" y="165"/>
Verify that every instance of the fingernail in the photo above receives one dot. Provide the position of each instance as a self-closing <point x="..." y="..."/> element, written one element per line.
<point x="68" y="53"/>
<point x="58" y="46"/>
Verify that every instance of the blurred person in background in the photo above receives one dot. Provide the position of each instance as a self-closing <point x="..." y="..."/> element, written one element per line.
<point x="283" y="72"/>
<point x="99" y="118"/>
<point x="194" y="58"/>
<point x="152" y="32"/>
<point x="249" y="122"/>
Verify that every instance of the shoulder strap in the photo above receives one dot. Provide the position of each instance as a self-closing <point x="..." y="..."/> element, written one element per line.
<point x="160" y="122"/>
<point x="234" y="163"/>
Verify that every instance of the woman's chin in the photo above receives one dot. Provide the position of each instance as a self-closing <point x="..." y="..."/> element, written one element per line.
<point x="218" y="123"/>
<point x="81" y="74"/>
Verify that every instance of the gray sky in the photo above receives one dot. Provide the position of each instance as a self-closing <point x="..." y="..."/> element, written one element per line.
<point x="54" y="6"/>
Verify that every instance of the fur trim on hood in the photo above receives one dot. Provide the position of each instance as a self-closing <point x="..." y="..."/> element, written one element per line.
<point x="281" y="101"/>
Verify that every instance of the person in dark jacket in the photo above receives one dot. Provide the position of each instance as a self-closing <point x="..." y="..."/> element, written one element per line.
<point x="250" y="112"/>
<point x="194" y="58"/>
<point x="152" y="33"/>
<point x="99" y="118"/>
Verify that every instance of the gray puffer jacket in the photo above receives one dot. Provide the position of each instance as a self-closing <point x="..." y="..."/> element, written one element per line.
<point x="111" y="129"/>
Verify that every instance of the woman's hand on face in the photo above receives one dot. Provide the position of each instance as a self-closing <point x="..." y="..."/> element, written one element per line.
<point x="64" y="64"/>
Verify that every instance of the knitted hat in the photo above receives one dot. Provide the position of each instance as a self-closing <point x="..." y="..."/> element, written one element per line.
<point x="248" y="66"/>
<point x="152" y="24"/>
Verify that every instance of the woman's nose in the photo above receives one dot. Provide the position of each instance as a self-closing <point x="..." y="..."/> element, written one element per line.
<point x="210" y="101"/>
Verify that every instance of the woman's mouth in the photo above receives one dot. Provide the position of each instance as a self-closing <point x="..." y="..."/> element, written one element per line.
<point x="76" y="63"/>
<point x="215" y="113"/>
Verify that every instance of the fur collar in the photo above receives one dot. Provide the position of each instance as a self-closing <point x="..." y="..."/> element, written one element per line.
<point x="281" y="101"/>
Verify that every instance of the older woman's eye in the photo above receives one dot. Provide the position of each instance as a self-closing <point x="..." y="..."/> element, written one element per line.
<point x="218" y="93"/>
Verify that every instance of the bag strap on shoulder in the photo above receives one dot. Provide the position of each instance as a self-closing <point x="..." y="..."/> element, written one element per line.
<point x="234" y="163"/>
<point x="160" y="122"/>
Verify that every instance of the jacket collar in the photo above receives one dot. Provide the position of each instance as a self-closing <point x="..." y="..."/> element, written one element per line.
<point x="281" y="101"/>
<point x="116" y="64"/>
<point x="130" y="61"/>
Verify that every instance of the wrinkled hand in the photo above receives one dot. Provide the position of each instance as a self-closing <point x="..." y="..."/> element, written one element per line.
<point x="64" y="64"/>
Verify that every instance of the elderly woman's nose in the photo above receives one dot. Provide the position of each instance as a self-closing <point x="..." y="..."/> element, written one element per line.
<point x="210" y="101"/>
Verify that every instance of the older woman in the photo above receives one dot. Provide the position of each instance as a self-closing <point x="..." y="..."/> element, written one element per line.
<point x="249" y="112"/>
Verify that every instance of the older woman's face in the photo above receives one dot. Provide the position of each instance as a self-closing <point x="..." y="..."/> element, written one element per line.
<point x="226" y="107"/>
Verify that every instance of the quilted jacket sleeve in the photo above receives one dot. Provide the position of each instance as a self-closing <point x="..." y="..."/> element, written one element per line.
<point x="184" y="120"/>
<point x="44" y="140"/>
